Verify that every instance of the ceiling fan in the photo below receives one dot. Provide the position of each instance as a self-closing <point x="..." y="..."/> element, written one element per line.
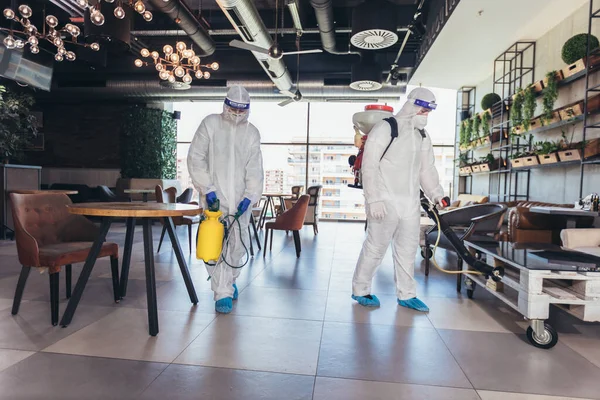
<point x="274" y="52"/>
<point x="297" y="96"/>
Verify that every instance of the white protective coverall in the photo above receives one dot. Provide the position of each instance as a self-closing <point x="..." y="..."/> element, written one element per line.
<point x="395" y="180"/>
<point x="225" y="158"/>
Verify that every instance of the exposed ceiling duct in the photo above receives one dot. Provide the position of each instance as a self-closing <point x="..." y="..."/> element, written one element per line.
<point x="312" y="90"/>
<point x="324" y="15"/>
<point x="374" y="25"/>
<point x="244" y="17"/>
<point x="366" y="76"/>
<point x="186" y="20"/>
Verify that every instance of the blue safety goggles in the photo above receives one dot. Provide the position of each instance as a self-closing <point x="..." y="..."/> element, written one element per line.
<point x="236" y="105"/>
<point x="425" y="104"/>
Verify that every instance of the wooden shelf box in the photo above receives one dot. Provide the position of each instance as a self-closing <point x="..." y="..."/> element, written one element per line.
<point x="551" y="158"/>
<point x="574" y="68"/>
<point x="476" y="168"/>
<point x="569" y="155"/>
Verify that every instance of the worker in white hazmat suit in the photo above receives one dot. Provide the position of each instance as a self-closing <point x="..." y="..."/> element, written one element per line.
<point x="225" y="163"/>
<point x="391" y="181"/>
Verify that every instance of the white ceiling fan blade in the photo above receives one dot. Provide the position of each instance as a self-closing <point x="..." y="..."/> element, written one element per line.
<point x="287" y="93"/>
<point x="286" y="102"/>
<point x="287" y="53"/>
<point x="245" y="46"/>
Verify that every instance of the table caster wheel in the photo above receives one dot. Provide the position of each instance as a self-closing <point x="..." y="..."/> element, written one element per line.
<point x="546" y="340"/>
<point x="426" y="252"/>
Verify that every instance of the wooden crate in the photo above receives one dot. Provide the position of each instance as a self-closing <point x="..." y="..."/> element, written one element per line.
<point x="548" y="158"/>
<point x="468" y="170"/>
<point x="461" y="170"/>
<point x="558" y="77"/>
<point x="554" y="120"/>
<point x="518" y="162"/>
<point x="531" y="160"/>
<point x="535" y="123"/>
<point x="569" y="155"/>
<point x="476" y="168"/>
<point x="574" y="68"/>
<point x="484" y="167"/>
<point x="538" y="86"/>
<point x="571" y="111"/>
<point x="517" y="130"/>
<point x="592" y="148"/>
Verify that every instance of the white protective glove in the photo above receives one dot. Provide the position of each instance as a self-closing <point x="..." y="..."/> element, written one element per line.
<point x="377" y="210"/>
<point x="440" y="204"/>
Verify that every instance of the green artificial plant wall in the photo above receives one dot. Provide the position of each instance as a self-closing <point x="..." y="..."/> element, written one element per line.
<point x="148" y="144"/>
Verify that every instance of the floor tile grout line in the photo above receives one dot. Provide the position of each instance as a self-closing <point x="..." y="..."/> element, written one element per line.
<point x="323" y="325"/>
<point x="454" y="357"/>
<point x="397" y="383"/>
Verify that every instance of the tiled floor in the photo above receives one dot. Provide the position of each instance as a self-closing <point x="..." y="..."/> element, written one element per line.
<point x="294" y="334"/>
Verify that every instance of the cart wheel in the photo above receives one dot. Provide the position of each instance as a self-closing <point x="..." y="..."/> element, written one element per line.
<point x="470" y="293"/>
<point x="426" y="252"/>
<point x="547" y="340"/>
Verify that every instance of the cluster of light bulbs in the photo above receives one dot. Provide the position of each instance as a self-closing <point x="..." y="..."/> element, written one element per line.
<point x="32" y="37"/>
<point x="180" y="62"/>
<point x="97" y="17"/>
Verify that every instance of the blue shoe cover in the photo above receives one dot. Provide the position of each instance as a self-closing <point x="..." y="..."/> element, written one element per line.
<point x="235" y="292"/>
<point x="414" y="303"/>
<point x="224" y="306"/>
<point x="367" y="301"/>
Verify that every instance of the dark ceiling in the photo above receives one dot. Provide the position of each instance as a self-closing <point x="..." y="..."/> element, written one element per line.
<point x="95" y="68"/>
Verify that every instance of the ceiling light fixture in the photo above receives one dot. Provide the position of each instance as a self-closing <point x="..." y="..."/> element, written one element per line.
<point x="179" y="62"/>
<point x="30" y="36"/>
<point x="97" y="17"/>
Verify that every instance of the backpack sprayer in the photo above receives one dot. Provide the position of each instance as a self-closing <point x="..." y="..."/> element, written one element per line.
<point x="365" y="121"/>
<point x="214" y="234"/>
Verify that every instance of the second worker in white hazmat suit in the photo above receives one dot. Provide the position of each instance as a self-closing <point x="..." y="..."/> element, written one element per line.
<point x="225" y="163"/>
<point x="391" y="181"/>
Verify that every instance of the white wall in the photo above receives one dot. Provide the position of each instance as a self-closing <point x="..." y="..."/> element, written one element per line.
<point x="557" y="184"/>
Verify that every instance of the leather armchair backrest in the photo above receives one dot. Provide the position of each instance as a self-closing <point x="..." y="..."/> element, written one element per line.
<point x="293" y="218"/>
<point x="186" y="196"/>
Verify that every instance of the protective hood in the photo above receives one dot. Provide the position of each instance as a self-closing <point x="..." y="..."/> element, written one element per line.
<point x="409" y="109"/>
<point x="236" y="107"/>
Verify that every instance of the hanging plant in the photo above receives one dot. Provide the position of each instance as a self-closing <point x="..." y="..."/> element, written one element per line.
<point x="485" y="123"/>
<point x="463" y="134"/>
<point x="550" y="96"/>
<point x="469" y="133"/>
<point x="529" y="106"/>
<point x="476" y="126"/>
<point x="462" y="160"/>
<point x="516" y="109"/>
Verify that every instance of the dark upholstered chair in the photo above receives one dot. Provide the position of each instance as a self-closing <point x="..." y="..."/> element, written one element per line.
<point x="290" y="220"/>
<point x="105" y="194"/>
<point x="49" y="236"/>
<point x="312" y="215"/>
<point x="186" y="196"/>
<point x="296" y="191"/>
<point x="479" y="222"/>
<point x="169" y="195"/>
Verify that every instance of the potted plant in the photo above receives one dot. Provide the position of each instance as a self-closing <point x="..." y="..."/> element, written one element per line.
<point x="489" y="100"/>
<point x="488" y="163"/>
<point x="469" y="133"/>
<point x="17" y="124"/>
<point x="549" y="116"/>
<point x="516" y="111"/>
<point x="547" y="151"/>
<point x="523" y="159"/>
<point x="574" y="52"/>
<point x="529" y="105"/>
<point x="462" y="141"/>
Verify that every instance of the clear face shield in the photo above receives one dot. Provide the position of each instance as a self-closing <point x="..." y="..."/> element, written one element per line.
<point x="426" y="107"/>
<point x="235" y="111"/>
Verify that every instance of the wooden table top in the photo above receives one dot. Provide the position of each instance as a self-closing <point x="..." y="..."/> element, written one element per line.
<point x="138" y="191"/>
<point x="139" y="210"/>
<point x="45" y="191"/>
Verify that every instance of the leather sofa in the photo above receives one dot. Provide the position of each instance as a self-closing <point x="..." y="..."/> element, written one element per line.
<point x="525" y="226"/>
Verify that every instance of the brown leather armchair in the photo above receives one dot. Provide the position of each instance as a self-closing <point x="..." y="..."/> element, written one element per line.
<point x="525" y="226"/>
<point x="47" y="235"/>
<point x="290" y="220"/>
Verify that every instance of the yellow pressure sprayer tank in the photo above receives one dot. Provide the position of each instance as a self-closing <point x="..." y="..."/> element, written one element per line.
<point x="210" y="237"/>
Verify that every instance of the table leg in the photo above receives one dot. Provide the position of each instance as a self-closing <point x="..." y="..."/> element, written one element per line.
<point x="150" y="279"/>
<point x="571" y="223"/>
<point x="252" y="222"/>
<point x="127" y="255"/>
<point x="282" y="202"/>
<point x="85" y="273"/>
<point x="263" y="215"/>
<point x="182" y="264"/>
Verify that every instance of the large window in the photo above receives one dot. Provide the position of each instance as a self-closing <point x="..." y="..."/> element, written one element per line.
<point x="309" y="144"/>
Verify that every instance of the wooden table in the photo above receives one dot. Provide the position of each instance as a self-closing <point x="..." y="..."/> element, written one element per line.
<point x="572" y="214"/>
<point x="143" y="192"/>
<point x="270" y="202"/>
<point x="145" y="211"/>
<point x="67" y="192"/>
